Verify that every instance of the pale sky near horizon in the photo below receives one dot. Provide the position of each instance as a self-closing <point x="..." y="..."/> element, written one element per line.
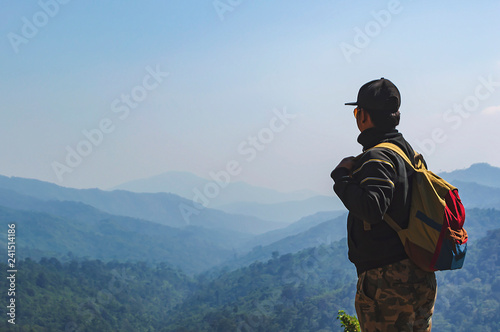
<point x="98" y="93"/>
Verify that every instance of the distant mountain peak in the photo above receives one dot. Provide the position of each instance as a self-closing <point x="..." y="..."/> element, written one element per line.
<point x="480" y="173"/>
<point x="481" y="166"/>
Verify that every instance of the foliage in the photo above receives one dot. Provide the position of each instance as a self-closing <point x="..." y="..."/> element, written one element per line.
<point x="94" y="234"/>
<point x="292" y="292"/>
<point x="479" y="221"/>
<point x="300" y="292"/>
<point x="350" y="323"/>
<point x="469" y="299"/>
<point x="94" y="296"/>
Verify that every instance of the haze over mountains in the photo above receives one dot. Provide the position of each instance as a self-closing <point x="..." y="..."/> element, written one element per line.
<point x="186" y="184"/>
<point x="164" y="208"/>
<point x="165" y="227"/>
<point x="60" y="222"/>
<point x="479" y="185"/>
<point x="237" y="197"/>
<point x="180" y="266"/>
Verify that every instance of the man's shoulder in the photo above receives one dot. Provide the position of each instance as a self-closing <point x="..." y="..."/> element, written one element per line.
<point x="389" y="154"/>
<point x="378" y="153"/>
<point x="379" y="157"/>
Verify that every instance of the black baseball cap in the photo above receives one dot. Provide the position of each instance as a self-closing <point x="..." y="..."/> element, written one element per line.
<point x="378" y="95"/>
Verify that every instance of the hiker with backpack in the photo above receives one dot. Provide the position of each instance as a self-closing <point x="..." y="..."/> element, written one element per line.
<point x="393" y="293"/>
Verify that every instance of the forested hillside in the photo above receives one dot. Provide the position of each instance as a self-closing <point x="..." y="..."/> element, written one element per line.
<point x="469" y="299"/>
<point x="87" y="232"/>
<point x="84" y="269"/>
<point x="93" y="296"/>
<point x="292" y="292"/>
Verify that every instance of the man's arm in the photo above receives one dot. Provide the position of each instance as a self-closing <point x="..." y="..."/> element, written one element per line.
<point x="366" y="191"/>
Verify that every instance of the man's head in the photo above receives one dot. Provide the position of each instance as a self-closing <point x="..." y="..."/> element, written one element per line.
<point x="381" y="100"/>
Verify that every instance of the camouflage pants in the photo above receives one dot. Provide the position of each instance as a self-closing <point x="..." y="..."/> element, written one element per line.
<point x="397" y="297"/>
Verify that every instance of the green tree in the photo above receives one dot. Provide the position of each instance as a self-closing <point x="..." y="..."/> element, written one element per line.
<point x="349" y="323"/>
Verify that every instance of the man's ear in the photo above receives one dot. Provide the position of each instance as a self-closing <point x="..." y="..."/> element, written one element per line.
<point x="365" y="120"/>
<point x="364" y="116"/>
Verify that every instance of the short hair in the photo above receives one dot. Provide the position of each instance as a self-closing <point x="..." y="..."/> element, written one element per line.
<point x="384" y="120"/>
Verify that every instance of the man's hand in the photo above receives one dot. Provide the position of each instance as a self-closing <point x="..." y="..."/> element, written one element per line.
<point x="347" y="162"/>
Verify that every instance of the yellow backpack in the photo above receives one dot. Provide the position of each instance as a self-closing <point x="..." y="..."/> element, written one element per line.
<point x="435" y="238"/>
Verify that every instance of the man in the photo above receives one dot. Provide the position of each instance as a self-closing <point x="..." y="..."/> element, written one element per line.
<point x="393" y="294"/>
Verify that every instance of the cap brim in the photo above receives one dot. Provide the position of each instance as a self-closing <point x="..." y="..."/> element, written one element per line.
<point x="354" y="103"/>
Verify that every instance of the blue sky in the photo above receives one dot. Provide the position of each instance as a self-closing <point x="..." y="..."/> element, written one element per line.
<point x="140" y="88"/>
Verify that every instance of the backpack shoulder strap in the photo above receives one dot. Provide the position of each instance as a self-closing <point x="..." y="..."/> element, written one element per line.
<point x="397" y="149"/>
<point x="393" y="147"/>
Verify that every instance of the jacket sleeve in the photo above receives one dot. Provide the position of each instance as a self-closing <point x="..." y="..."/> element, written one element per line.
<point x="367" y="191"/>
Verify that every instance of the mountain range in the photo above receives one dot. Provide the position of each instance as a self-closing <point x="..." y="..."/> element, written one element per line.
<point x="479" y="173"/>
<point x="60" y="222"/>
<point x="268" y="204"/>
<point x="54" y="221"/>
<point x="187" y="184"/>
<point x="238" y="197"/>
<point x="67" y="230"/>
<point x="166" y="209"/>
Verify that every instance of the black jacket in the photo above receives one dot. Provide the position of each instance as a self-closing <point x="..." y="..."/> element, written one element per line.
<point x="380" y="183"/>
